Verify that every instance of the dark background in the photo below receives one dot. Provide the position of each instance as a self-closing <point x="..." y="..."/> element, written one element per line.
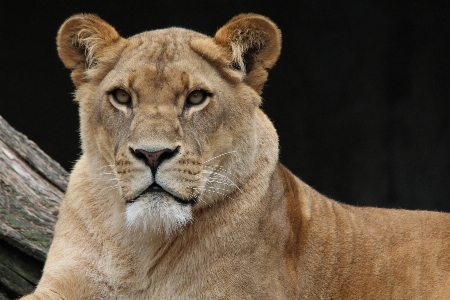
<point x="360" y="95"/>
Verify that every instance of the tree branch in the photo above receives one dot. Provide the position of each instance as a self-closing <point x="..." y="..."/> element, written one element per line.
<point x="32" y="186"/>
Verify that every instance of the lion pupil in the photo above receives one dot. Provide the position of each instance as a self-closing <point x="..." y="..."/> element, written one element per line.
<point x="196" y="97"/>
<point x="122" y="96"/>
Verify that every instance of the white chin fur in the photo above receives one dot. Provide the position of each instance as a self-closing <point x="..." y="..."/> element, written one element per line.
<point x="161" y="215"/>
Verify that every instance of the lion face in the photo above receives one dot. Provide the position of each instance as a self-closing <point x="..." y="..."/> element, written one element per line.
<point x="176" y="109"/>
<point x="167" y="116"/>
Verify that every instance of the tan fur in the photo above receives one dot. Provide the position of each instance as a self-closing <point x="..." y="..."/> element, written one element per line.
<point x="250" y="229"/>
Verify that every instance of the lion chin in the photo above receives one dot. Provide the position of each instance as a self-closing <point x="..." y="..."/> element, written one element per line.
<point x="159" y="211"/>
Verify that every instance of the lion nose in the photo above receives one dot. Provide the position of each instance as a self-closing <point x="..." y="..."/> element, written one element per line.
<point x="154" y="158"/>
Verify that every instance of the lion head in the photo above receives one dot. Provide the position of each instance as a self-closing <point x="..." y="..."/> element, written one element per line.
<point x="171" y="119"/>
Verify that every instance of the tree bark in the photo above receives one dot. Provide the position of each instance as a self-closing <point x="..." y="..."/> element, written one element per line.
<point x="32" y="186"/>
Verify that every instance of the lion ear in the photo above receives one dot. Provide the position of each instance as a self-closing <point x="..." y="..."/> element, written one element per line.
<point x="254" y="43"/>
<point x="86" y="42"/>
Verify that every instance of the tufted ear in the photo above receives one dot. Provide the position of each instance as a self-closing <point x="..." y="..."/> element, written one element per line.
<point x="86" y="43"/>
<point x="251" y="43"/>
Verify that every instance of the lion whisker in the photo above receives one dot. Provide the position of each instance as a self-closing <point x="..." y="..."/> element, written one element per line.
<point x="215" y="175"/>
<point x="217" y="156"/>
<point x="106" y="190"/>
<point x="215" y="190"/>
<point x="211" y="190"/>
<point x="216" y="168"/>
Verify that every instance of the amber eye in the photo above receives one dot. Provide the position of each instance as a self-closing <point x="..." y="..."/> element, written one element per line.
<point x="196" y="97"/>
<point x="121" y="96"/>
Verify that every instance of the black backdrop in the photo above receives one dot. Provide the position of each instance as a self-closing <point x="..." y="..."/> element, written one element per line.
<point x="360" y="95"/>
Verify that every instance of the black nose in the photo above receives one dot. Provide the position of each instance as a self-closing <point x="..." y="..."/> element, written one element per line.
<point x="154" y="158"/>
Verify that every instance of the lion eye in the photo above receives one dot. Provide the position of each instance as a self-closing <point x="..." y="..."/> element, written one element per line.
<point x="197" y="97"/>
<point x="121" y="96"/>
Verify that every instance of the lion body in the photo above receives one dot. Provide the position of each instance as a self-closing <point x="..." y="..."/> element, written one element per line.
<point x="218" y="217"/>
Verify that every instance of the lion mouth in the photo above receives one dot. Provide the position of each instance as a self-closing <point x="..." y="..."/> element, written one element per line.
<point x="155" y="188"/>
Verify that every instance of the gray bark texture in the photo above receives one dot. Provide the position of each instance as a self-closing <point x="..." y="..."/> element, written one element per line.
<point x="32" y="186"/>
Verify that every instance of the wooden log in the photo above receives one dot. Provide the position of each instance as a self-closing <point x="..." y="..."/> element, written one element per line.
<point x="32" y="186"/>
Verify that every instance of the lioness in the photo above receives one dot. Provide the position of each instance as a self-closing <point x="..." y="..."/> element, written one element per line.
<point x="179" y="193"/>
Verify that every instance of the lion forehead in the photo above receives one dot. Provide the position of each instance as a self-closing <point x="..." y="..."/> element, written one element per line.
<point x="160" y="58"/>
<point x="160" y="47"/>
